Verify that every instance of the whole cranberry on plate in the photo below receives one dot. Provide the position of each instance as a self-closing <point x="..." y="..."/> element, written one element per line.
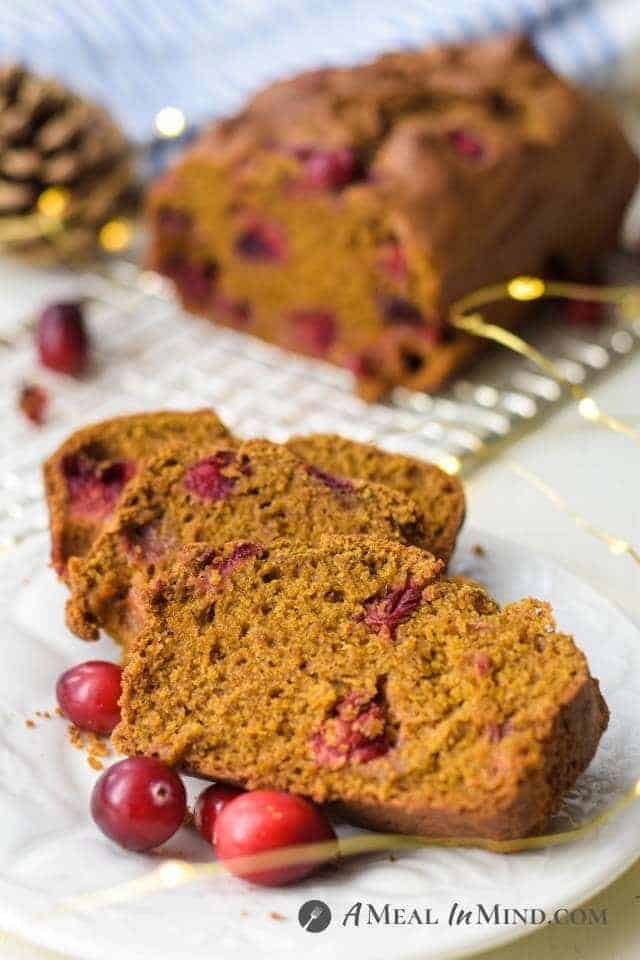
<point x="139" y="802"/>
<point x="210" y="805"/>
<point x="62" y="339"/>
<point x="88" y="695"/>
<point x="269" y="820"/>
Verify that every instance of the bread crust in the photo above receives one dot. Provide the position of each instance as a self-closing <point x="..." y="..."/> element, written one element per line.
<point x="351" y="674"/>
<point x="439" y="495"/>
<point x="343" y="211"/>
<point x="266" y="493"/>
<point x="569" y="750"/>
<point x="124" y="442"/>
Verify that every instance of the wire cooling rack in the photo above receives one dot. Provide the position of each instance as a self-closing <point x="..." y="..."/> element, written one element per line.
<point x="150" y="354"/>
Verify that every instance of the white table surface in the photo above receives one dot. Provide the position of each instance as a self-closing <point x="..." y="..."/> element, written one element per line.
<point x="599" y="474"/>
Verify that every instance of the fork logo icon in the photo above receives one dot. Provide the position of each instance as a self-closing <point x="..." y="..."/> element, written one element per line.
<point x="314" y="916"/>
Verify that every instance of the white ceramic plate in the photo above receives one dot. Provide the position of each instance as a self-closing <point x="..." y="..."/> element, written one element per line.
<point x="50" y="850"/>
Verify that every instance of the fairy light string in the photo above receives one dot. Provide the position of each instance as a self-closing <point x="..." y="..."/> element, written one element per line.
<point x="465" y="316"/>
<point x="617" y="546"/>
<point x="53" y="215"/>
<point x="176" y="873"/>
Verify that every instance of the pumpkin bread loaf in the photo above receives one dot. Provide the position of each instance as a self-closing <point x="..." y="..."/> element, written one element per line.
<point x="439" y="495"/>
<point x="352" y="674"/>
<point x="343" y="211"/>
<point x="258" y="491"/>
<point x="85" y="477"/>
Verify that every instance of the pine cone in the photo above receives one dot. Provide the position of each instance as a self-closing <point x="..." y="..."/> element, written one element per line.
<point x="52" y="138"/>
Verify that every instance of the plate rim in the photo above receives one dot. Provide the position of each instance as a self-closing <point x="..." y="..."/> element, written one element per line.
<point x="499" y="937"/>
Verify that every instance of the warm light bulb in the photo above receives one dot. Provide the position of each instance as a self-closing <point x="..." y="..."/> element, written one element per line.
<point x="525" y="288"/>
<point x="449" y="463"/>
<point x="618" y="547"/>
<point x="53" y="201"/>
<point x="170" y="122"/>
<point x="172" y="873"/>
<point x="115" y="235"/>
<point x="588" y="408"/>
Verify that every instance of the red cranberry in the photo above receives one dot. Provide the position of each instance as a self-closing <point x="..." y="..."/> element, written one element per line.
<point x="173" y="221"/>
<point x="33" y="401"/>
<point x="198" y="282"/>
<point x="466" y="144"/>
<point x="143" y="542"/>
<point x="498" y="731"/>
<point x="265" y="820"/>
<point x="195" y="280"/>
<point x="206" y="480"/>
<point x="355" y="733"/>
<point x="63" y="344"/>
<point x="236" y="313"/>
<point x="399" y="310"/>
<point x="139" y="803"/>
<point x="313" y="330"/>
<point x="482" y="663"/>
<point x="362" y="365"/>
<point x="394" y="608"/>
<point x="329" y="169"/>
<point x="210" y="804"/>
<point x="434" y="335"/>
<point x="339" y="484"/>
<point x="261" y="240"/>
<point x="88" y="695"/>
<point x="393" y="262"/>
<point x="241" y="552"/>
<point x="583" y="313"/>
<point x="94" y="487"/>
<point x="173" y="265"/>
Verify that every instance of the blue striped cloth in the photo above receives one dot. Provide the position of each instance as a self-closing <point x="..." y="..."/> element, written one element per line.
<point x="205" y="56"/>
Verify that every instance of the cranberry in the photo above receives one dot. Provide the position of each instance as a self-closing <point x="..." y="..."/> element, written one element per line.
<point x="466" y="144"/>
<point x="206" y="480"/>
<point x="63" y="344"/>
<point x="143" y="541"/>
<point x="243" y="551"/>
<point x="399" y="310"/>
<point x="394" y="608"/>
<point x="173" y="265"/>
<point x="139" y="803"/>
<point x="328" y="169"/>
<point x="173" y="221"/>
<point x="236" y="313"/>
<point x="339" y="484"/>
<point x="498" y="731"/>
<point x="261" y="240"/>
<point x="88" y="695"/>
<point x="94" y="487"/>
<point x="362" y="365"/>
<point x="393" y="262"/>
<point x="482" y="663"/>
<point x="265" y="820"/>
<point x="313" y="330"/>
<point x="585" y="313"/>
<point x="434" y="335"/>
<point x="33" y="401"/>
<point x="196" y="281"/>
<point x="210" y="804"/>
<point x="355" y="734"/>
